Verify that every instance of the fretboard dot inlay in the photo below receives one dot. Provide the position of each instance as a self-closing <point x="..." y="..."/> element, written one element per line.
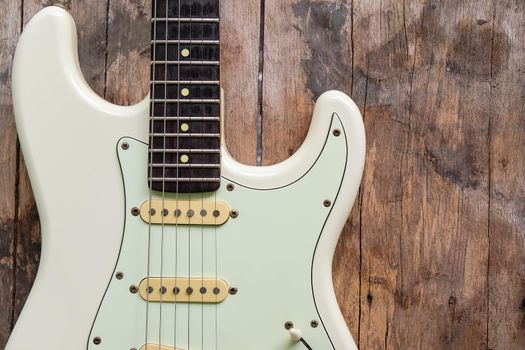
<point x="185" y="53"/>
<point x="184" y="158"/>
<point x="185" y="92"/>
<point x="185" y="127"/>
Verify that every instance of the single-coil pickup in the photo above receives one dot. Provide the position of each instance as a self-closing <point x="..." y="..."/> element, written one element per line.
<point x="184" y="290"/>
<point x="158" y="347"/>
<point x="183" y="212"/>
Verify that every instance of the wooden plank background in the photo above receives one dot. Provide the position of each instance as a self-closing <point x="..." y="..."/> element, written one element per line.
<point x="433" y="256"/>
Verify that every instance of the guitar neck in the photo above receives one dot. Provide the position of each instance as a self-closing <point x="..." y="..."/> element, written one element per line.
<point x="185" y="97"/>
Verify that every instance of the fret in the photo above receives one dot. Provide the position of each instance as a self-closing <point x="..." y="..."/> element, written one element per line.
<point x="185" y="135"/>
<point x="186" y="41"/>
<point x="196" y="179"/>
<point x="195" y="63"/>
<point x="184" y="82"/>
<point x="195" y="119"/>
<point x="191" y="151"/>
<point x="186" y="31"/>
<point x="187" y="19"/>
<point x="182" y="100"/>
<point x="197" y="52"/>
<point x="185" y="72"/>
<point x="203" y="166"/>
<point x="186" y="8"/>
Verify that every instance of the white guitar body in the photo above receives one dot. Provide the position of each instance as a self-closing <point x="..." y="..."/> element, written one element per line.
<point x="277" y="252"/>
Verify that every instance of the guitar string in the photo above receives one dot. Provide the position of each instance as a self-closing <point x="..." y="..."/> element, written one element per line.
<point x="150" y="168"/>
<point x="202" y="201"/>
<point x="162" y="214"/>
<point x="189" y="194"/>
<point x="215" y="198"/>
<point x="178" y="212"/>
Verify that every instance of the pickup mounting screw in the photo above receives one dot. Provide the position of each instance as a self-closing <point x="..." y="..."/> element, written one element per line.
<point x="234" y="214"/>
<point x="119" y="275"/>
<point x="97" y="340"/>
<point x="337" y="132"/>
<point x="125" y="146"/>
<point x="314" y="324"/>
<point x="288" y="325"/>
<point x="230" y="187"/>
<point x="327" y="203"/>
<point x="133" y="289"/>
<point x="135" y="211"/>
<point x="233" y="290"/>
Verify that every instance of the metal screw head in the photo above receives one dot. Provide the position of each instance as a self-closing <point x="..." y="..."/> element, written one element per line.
<point x="97" y="340"/>
<point x="233" y="290"/>
<point x="119" y="275"/>
<point x="234" y="214"/>
<point x="230" y="187"/>
<point x="135" y="211"/>
<point x="125" y="146"/>
<point x="314" y="324"/>
<point x="288" y="325"/>
<point x="337" y="132"/>
<point x="327" y="203"/>
<point x="133" y="289"/>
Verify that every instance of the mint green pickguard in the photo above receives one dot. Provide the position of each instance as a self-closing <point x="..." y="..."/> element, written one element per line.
<point x="266" y="253"/>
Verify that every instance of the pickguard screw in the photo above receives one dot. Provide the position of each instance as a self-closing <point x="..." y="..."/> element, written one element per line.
<point x="230" y="187"/>
<point x="327" y="203"/>
<point x="234" y="214"/>
<point x="119" y="275"/>
<point x="135" y="211"/>
<point x="233" y="290"/>
<point x="288" y="325"/>
<point x="97" y="340"/>
<point x="337" y="132"/>
<point x="125" y="146"/>
<point x="314" y="324"/>
<point x="133" y="289"/>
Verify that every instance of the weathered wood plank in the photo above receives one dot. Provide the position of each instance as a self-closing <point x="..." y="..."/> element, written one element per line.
<point x="308" y="50"/>
<point x="240" y="25"/>
<point x="421" y="79"/>
<point x="507" y="191"/>
<point x="91" y="18"/>
<point x="11" y="18"/>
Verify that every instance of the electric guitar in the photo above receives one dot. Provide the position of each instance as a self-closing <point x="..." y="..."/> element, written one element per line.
<point x="153" y="236"/>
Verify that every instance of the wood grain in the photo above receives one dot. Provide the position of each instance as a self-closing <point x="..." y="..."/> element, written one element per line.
<point x="432" y="255"/>
<point x="9" y="32"/>
<point x="506" y="271"/>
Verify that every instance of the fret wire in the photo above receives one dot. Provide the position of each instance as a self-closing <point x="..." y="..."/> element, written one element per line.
<point x="197" y="119"/>
<point x="196" y="166"/>
<point x="186" y="82"/>
<point x="187" y="19"/>
<point x="186" y="135"/>
<point x="190" y="100"/>
<point x="188" y="179"/>
<point x="182" y="63"/>
<point x="202" y="42"/>
<point x="190" y="151"/>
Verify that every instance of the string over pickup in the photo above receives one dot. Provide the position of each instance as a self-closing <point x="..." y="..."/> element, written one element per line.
<point x="184" y="290"/>
<point x="158" y="347"/>
<point x="184" y="212"/>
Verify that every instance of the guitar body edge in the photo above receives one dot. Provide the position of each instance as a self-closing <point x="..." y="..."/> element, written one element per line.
<point x="69" y="137"/>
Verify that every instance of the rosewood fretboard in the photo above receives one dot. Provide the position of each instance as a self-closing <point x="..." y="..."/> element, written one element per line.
<point x="185" y="97"/>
